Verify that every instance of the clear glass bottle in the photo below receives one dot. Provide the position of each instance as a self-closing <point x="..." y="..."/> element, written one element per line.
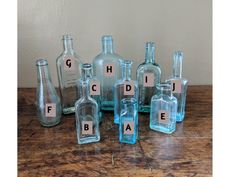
<point x="68" y="71"/>
<point x="124" y="88"/>
<point x="48" y="102"/>
<point x="148" y="75"/>
<point x="179" y="85"/>
<point x="163" y="110"/>
<point x="128" y="127"/>
<point x="106" y="67"/>
<point x="94" y="86"/>
<point x="86" y="112"/>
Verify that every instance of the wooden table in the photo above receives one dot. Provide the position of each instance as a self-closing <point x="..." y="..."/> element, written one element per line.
<point x="55" y="152"/>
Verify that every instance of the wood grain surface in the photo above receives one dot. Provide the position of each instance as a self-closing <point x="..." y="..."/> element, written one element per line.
<point x="54" y="151"/>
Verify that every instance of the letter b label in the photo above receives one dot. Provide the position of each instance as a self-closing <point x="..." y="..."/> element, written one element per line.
<point x="50" y="110"/>
<point x="128" y="127"/>
<point x="87" y="127"/>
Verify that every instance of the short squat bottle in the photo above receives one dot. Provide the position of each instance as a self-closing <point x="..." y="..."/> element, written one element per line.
<point x="87" y="116"/>
<point x="128" y="127"/>
<point x="124" y="88"/>
<point x="179" y="85"/>
<point x="163" y="110"/>
<point x="106" y="67"/>
<point x="48" y="102"/>
<point x="148" y="75"/>
<point x="68" y="71"/>
<point x="94" y="85"/>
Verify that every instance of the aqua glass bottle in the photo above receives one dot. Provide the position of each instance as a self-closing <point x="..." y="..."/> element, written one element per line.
<point x="124" y="88"/>
<point x="48" y="102"/>
<point x="94" y="86"/>
<point x="106" y="68"/>
<point x="68" y="71"/>
<point x="163" y="110"/>
<point x="148" y="75"/>
<point x="179" y="85"/>
<point x="128" y="127"/>
<point x="86" y="112"/>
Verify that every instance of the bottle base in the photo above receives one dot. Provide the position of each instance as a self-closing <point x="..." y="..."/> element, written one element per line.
<point x="52" y="124"/>
<point x="128" y="140"/>
<point x="179" y="117"/>
<point x="107" y="106"/>
<point x="162" y="129"/>
<point x="88" y="140"/>
<point x="69" y="110"/>
<point x="144" y="109"/>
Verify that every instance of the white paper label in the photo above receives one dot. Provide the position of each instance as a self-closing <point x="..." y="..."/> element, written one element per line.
<point x="176" y="86"/>
<point x="87" y="127"/>
<point x="129" y="88"/>
<point x="128" y="127"/>
<point x="148" y="80"/>
<point x="163" y="116"/>
<point x="94" y="88"/>
<point x="109" y="70"/>
<point x="50" y="110"/>
<point x="69" y="63"/>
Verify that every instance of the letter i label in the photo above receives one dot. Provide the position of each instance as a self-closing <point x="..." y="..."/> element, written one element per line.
<point x="50" y="110"/>
<point x="87" y="127"/>
<point x="129" y="88"/>
<point x="109" y="70"/>
<point x="176" y="86"/>
<point x="94" y="88"/>
<point x="128" y="127"/>
<point x="148" y="80"/>
<point x="69" y="63"/>
<point x="163" y="116"/>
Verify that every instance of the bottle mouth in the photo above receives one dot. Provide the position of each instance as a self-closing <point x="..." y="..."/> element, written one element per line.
<point x="150" y="45"/>
<point x="67" y="37"/>
<point x="164" y="86"/>
<point x="107" y="38"/>
<point x="41" y="62"/>
<point x="126" y="62"/>
<point x="86" y="65"/>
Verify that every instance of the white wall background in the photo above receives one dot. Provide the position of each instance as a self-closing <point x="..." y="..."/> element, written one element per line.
<point x="173" y="24"/>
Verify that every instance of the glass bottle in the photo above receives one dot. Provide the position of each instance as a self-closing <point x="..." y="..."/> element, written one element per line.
<point x="124" y="88"/>
<point x="163" y="110"/>
<point x="86" y="112"/>
<point x="94" y="86"/>
<point x="128" y="127"/>
<point x="148" y="75"/>
<point x="68" y="71"/>
<point x="179" y="85"/>
<point x="48" y="102"/>
<point x="106" y="67"/>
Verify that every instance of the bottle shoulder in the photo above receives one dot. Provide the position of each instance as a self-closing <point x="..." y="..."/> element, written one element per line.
<point x="61" y="57"/>
<point x="184" y="81"/>
<point x="149" y="67"/>
<point x="107" y="57"/>
<point x="86" y="101"/>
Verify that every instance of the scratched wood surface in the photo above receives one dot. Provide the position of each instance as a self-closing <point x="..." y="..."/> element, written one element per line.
<point x="55" y="152"/>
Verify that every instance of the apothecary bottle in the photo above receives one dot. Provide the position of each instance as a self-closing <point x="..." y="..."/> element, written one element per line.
<point x="68" y="71"/>
<point x="148" y="75"/>
<point x="179" y="85"/>
<point x="106" y="67"/>
<point x="48" y="102"/>
<point x="87" y="116"/>
<point x="128" y="126"/>
<point x="124" y="88"/>
<point x="94" y="86"/>
<point x="163" y="110"/>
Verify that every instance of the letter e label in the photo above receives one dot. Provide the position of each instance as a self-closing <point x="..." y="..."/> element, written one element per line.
<point x="163" y="116"/>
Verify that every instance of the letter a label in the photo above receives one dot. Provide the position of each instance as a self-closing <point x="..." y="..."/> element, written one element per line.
<point x="69" y="63"/>
<point x="128" y="127"/>
<point x="176" y="86"/>
<point x="129" y="88"/>
<point x="87" y="127"/>
<point x="163" y="116"/>
<point x="148" y="80"/>
<point x="50" y="110"/>
<point x="109" y="70"/>
<point x="94" y="88"/>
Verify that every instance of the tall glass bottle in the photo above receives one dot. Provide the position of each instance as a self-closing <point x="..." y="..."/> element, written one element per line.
<point x="86" y="112"/>
<point x="179" y="85"/>
<point x="68" y="71"/>
<point x="94" y="85"/>
<point x="148" y="75"/>
<point x="124" y="88"/>
<point x="106" y="67"/>
<point x="48" y="102"/>
<point x="163" y="110"/>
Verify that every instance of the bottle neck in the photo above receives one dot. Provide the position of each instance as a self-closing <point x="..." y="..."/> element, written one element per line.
<point x="107" y="44"/>
<point x="84" y="89"/>
<point x="150" y="52"/>
<point x="164" y="89"/>
<point x="126" y="70"/>
<point x="177" y="64"/>
<point x="43" y="73"/>
<point x="68" y="46"/>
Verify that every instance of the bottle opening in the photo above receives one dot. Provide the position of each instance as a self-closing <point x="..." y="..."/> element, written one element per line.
<point x="107" y="38"/>
<point x="127" y="62"/>
<point x="67" y="37"/>
<point x="41" y="62"/>
<point x="164" y="86"/>
<point x="86" y="65"/>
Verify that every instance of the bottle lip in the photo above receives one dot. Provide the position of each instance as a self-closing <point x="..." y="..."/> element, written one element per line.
<point x="67" y="37"/>
<point x="126" y="62"/>
<point x="41" y="62"/>
<point x="164" y="86"/>
<point x="107" y="38"/>
<point x="86" y="65"/>
<point x="150" y="44"/>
